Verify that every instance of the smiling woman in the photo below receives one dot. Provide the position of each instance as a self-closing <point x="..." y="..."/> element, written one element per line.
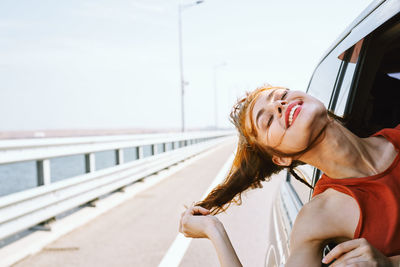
<point x="277" y="110"/>
<point x="279" y="128"/>
<point x="355" y="203"/>
<point x="267" y="142"/>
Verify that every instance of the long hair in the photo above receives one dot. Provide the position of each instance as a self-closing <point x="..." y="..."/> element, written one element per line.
<point x="252" y="163"/>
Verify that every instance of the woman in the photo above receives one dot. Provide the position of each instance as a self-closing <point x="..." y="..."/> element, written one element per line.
<point x="355" y="203"/>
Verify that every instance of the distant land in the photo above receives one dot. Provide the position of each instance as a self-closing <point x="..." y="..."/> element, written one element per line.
<point x="87" y="132"/>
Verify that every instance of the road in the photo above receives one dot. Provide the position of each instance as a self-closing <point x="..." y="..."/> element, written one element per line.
<point x="140" y="231"/>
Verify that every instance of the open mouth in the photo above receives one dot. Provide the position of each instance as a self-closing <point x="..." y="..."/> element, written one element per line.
<point x="291" y="112"/>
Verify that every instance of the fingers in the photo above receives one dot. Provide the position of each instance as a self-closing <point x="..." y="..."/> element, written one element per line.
<point x="357" y="261"/>
<point x="343" y="248"/>
<point x="199" y="210"/>
<point x="348" y="257"/>
<point x="194" y="210"/>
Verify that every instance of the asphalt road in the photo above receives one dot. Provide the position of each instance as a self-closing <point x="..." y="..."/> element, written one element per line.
<point x="140" y="231"/>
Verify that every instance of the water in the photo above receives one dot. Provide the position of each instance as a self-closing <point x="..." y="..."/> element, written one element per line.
<point x="17" y="177"/>
<point x="20" y="176"/>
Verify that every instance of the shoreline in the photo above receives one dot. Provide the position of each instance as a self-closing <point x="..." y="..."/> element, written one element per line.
<point x="4" y="135"/>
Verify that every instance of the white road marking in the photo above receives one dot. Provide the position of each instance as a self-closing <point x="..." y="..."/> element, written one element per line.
<point x="178" y="248"/>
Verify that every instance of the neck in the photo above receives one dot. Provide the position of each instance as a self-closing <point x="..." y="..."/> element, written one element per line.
<point x="341" y="154"/>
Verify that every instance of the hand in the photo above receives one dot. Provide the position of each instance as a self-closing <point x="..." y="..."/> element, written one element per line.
<point x="196" y="222"/>
<point x="356" y="252"/>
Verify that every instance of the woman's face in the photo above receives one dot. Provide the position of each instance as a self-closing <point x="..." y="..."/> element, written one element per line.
<point x="287" y="121"/>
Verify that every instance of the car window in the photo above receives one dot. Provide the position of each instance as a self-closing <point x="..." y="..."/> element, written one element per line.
<point x="384" y="110"/>
<point x="324" y="78"/>
<point x="350" y="58"/>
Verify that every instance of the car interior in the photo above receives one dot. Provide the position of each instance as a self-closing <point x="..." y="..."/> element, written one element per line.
<point x="376" y="94"/>
<point x="385" y="92"/>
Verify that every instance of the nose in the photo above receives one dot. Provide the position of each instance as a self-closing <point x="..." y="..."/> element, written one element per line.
<point x="279" y="106"/>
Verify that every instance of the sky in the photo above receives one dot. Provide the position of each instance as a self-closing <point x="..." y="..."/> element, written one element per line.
<point x="95" y="64"/>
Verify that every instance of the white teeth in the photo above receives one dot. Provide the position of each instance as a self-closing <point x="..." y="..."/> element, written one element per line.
<point x="292" y="113"/>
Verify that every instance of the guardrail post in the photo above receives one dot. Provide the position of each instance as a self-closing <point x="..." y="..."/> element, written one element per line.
<point x="44" y="226"/>
<point x="119" y="153"/>
<point x="43" y="172"/>
<point x="90" y="162"/>
<point x="40" y="207"/>
<point x="154" y="149"/>
<point x="139" y="151"/>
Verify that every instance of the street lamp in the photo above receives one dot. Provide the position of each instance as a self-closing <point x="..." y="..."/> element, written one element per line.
<point x="183" y="83"/>
<point x="216" y="67"/>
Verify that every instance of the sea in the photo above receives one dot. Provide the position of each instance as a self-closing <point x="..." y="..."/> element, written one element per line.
<point x="16" y="177"/>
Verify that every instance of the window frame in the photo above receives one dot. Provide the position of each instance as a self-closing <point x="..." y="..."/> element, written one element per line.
<point x="361" y="81"/>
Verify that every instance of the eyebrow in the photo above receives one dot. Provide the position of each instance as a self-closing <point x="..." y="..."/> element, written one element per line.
<point x="271" y="95"/>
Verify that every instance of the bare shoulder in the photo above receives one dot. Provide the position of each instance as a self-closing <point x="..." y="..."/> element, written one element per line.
<point x="329" y="215"/>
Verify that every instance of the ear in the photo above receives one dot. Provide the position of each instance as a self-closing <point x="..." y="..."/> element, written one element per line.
<point x="282" y="161"/>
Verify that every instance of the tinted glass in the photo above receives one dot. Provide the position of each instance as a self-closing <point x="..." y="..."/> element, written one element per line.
<point x="324" y="78"/>
<point x="344" y="87"/>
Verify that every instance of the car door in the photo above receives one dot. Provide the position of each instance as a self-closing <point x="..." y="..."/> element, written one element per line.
<point x="360" y="67"/>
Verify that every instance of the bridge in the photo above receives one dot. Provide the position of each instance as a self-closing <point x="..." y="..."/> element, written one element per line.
<point x="126" y="213"/>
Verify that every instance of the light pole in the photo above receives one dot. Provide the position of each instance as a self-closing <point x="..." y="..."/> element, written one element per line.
<point x="183" y="83"/>
<point x="216" y="67"/>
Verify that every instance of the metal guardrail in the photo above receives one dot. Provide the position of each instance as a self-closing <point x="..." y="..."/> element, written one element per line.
<point x="22" y="210"/>
<point x="51" y="141"/>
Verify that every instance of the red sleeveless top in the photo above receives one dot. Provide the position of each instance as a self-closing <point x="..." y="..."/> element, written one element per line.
<point x="378" y="198"/>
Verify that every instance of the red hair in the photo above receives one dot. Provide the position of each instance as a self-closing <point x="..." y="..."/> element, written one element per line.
<point x="252" y="163"/>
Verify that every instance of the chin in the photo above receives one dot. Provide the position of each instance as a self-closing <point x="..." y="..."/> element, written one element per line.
<point x="308" y="125"/>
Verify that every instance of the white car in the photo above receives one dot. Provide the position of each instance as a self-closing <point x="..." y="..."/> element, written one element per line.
<point x="358" y="80"/>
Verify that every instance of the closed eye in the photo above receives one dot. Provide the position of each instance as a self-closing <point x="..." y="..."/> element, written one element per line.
<point x="271" y="118"/>
<point x="284" y="94"/>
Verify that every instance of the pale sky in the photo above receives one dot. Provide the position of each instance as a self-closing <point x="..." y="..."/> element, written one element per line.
<point x="88" y="64"/>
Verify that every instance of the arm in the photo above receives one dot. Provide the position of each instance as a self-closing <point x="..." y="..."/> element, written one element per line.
<point x="308" y="253"/>
<point x="326" y="217"/>
<point x="222" y="244"/>
<point x="305" y="247"/>
<point x="197" y="223"/>
<point x="359" y="252"/>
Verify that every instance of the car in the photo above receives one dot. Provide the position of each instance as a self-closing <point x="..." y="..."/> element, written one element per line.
<point x="358" y="80"/>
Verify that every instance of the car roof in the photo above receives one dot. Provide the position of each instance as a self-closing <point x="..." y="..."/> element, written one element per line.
<point x="365" y="13"/>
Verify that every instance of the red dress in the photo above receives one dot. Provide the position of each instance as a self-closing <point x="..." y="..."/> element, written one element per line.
<point x="378" y="198"/>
